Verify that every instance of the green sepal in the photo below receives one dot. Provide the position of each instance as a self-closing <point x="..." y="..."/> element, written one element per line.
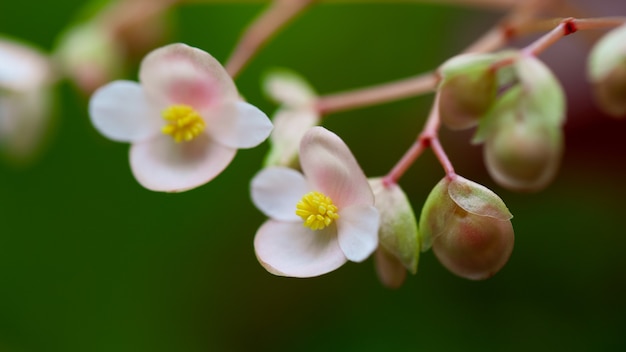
<point x="398" y="232"/>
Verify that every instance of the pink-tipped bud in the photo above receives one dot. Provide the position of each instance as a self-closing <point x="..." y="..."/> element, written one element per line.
<point x="469" y="227"/>
<point x="607" y="72"/>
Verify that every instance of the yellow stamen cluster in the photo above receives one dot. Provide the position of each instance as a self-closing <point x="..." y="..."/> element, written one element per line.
<point x="183" y="122"/>
<point x="317" y="210"/>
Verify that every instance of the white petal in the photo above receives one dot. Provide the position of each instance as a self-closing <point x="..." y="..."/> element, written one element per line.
<point x="239" y="125"/>
<point x="161" y="164"/>
<point x="357" y="230"/>
<point x="277" y="190"/>
<point x="180" y="74"/>
<point x="120" y="111"/>
<point x="330" y="168"/>
<point x="289" y="88"/>
<point x="22" y="67"/>
<point x="290" y="249"/>
<point x="290" y="125"/>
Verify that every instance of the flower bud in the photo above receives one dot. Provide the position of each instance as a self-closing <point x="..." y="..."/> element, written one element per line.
<point x="607" y="72"/>
<point x="295" y="116"/>
<point x="522" y="131"/>
<point x="398" y="236"/>
<point x="90" y="56"/>
<point x="26" y="79"/>
<point x="467" y="90"/>
<point x="522" y="156"/>
<point x="469" y="227"/>
<point x="287" y="87"/>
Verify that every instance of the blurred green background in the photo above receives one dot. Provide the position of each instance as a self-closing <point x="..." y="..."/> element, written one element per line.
<point x="90" y="261"/>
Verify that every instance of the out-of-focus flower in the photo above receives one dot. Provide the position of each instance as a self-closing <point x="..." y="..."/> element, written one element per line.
<point x="184" y="119"/>
<point x="398" y="236"/>
<point x="607" y="72"/>
<point x="522" y="131"/>
<point x="108" y="37"/>
<point x="90" y="56"/>
<point x="469" y="228"/>
<point x="26" y="78"/>
<point x="293" y="118"/>
<point x="318" y="220"/>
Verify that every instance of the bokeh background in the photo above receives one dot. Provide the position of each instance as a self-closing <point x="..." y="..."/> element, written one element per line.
<point x="90" y="261"/>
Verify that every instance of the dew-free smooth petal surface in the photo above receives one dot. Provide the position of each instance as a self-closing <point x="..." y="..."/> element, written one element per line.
<point x="239" y="125"/>
<point x="330" y="168"/>
<point x="180" y="74"/>
<point x="120" y="111"/>
<point x="357" y="230"/>
<point x="277" y="190"/>
<point x="290" y="249"/>
<point x="160" y="164"/>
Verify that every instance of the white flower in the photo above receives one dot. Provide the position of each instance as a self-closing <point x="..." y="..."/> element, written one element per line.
<point x="185" y="119"/>
<point x="318" y="220"/>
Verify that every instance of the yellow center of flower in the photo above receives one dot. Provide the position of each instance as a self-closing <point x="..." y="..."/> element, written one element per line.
<point x="183" y="122"/>
<point x="317" y="210"/>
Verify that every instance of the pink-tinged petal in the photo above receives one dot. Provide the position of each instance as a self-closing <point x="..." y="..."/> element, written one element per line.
<point x="180" y="74"/>
<point x="120" y="111"/>
<point x="357" y="230"/>
<point x="160" y="164"/>
<point x="331" y="168"/>
<point x="290" y="249"/>
<point x="277" y="190"/>
<point x="238" y="125"/>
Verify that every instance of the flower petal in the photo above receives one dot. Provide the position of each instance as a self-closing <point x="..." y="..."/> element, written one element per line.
<point x="290" y="249"/>
<point x="22" y="67"/>
<point x="357" y="230"/>
<point x="160" y="164"/>
<point x="180" y="74"/>
<point x="119" y="111"/>
<point x="239" y="125"/>
<point x="277" y="190"/>
<point x="290" y="125"/>
<point x="331" y="168"/>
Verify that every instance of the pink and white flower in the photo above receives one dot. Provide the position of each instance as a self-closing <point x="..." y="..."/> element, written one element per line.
<point x="320" y="219"/>
<point x="184" y="119"/>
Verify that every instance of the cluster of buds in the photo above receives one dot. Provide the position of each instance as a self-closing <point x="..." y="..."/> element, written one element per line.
<point x="519" y="107"/>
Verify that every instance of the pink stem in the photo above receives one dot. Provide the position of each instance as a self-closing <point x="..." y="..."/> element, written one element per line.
<point x="275" y="17"/>
<point x="429" y="137"/>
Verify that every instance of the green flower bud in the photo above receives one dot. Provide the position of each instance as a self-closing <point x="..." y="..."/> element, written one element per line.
<point x="467" y="90"/>
<point x="522" y="131"/>
<point x="607" y="72"/>
<point x="398" y="233"/>
<point x="469" y="227"/>
<point x="523" y="156"/>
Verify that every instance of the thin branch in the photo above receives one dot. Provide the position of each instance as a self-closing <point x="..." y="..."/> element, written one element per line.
<point x="272" y="20"/>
